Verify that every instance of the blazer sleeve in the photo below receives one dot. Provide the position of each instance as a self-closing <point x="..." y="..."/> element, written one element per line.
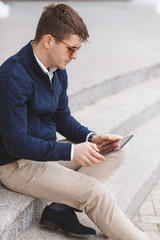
<point x="13" y="126"/>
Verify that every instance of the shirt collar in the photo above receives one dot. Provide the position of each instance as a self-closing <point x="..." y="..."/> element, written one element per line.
<point x="44" y="69"/>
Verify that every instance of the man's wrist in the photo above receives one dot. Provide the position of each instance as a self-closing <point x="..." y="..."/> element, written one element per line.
<point x="90" y="137"/>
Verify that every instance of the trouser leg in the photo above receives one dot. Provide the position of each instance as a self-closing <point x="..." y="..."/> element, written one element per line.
<point x="100" y="171"/>
<point x="58" y="184"/>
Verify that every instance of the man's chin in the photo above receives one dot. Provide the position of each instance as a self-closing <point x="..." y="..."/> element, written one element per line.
<point x="62" y="67"/>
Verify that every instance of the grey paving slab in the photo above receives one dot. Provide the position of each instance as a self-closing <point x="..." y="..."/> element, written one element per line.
<point x="147" y="218"/>
<point x="124" y="37"/>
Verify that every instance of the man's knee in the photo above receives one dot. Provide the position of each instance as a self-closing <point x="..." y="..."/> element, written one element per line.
<point x="118" y="157"/>
<point x="93" y="194"/>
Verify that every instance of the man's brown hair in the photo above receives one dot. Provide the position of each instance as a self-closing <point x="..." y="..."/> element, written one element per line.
<point x="60" y="21"/>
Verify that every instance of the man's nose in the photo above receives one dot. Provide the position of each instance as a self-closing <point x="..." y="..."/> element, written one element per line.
<point x="74" y="55"/>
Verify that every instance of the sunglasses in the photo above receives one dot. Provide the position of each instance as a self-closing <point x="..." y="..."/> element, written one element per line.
<point x="72" y="49"/>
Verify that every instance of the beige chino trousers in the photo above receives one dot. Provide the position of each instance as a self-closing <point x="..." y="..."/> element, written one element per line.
<point x="80" y="187"/>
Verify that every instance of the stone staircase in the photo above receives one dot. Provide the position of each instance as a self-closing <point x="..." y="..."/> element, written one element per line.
<point x="135" y="110"/>
<point x="121" y="96"/>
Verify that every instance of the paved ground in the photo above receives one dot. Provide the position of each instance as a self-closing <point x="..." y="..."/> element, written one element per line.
<point x="148" y="217"/>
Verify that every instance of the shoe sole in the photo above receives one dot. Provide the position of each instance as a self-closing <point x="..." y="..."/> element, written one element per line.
<point x="53" y="226"/>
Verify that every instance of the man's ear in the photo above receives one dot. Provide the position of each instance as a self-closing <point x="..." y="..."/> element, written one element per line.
<point x="47" y="41"/>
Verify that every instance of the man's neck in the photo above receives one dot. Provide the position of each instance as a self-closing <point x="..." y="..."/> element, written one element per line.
<point x="40" y="53"/>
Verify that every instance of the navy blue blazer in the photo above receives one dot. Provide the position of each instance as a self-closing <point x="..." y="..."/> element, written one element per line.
<point x="31" y="112"/>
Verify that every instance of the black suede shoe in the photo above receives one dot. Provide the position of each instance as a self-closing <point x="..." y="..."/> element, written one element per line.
<point x="66" y="221"/>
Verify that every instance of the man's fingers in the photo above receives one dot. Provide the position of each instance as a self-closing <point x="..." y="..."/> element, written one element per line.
<point x="88" y="161"/>
<point x="94" y="160"/>
<point x="84" y="164"/>
<point x="97" y="155"/>
<point x="93" y="156"/>
<point x="112" y="144"/>
<point x="94" y="146"/>
<point x="91" y="161"/>
<point x="110" y="137"/>
<point x="87" y="154"/>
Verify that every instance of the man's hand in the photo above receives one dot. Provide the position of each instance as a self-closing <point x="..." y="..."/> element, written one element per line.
<point x="87" y="154"/>
<point x="102" y="140"/>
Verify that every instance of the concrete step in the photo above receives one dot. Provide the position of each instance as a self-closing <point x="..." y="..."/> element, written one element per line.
<point x="123" y="111"/>
<point x="131" y="183"/>
<point x="92" y="94"/>
<point x="118" y="113"/>
<point x="17" y="212"/>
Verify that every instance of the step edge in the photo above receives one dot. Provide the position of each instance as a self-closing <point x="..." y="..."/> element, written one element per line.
<point x="23" y="220"/>
<point x="116" y="84"/>
<point x="138" y="119"/>
<point x="143" y="192"/>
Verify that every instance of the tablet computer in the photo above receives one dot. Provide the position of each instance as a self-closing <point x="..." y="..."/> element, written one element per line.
<point x="106" y="149"/>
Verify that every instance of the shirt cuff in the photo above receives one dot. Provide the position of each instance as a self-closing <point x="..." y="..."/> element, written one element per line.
<point x="72" y="146"/>
<point x="72" y="152"/>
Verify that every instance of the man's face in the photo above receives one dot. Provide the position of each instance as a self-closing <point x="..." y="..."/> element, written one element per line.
<point x="62" y="53"/>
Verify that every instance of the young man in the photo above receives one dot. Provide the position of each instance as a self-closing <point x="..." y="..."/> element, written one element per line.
<point x="34" y="105"/>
